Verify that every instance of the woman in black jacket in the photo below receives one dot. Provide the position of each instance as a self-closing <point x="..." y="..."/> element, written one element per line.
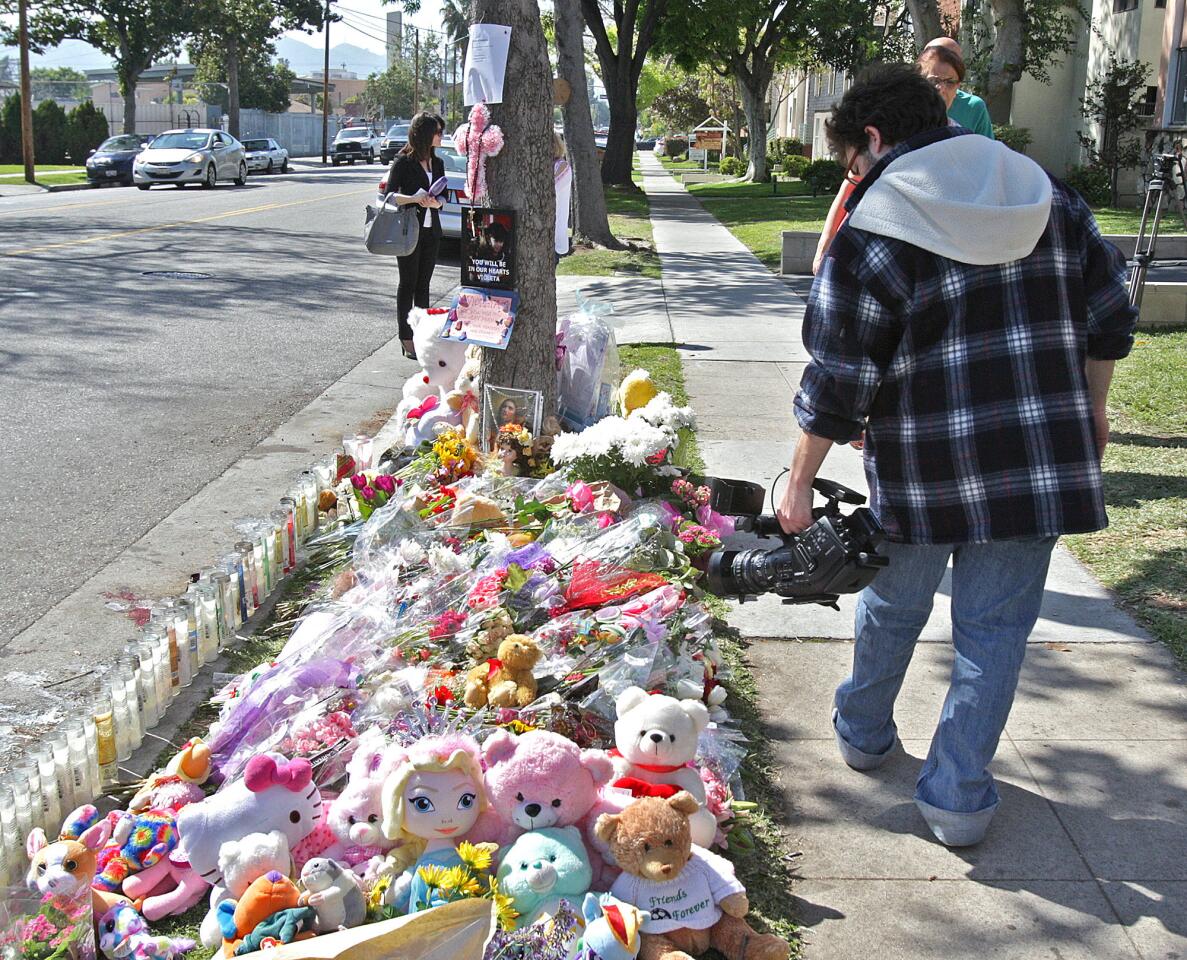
<point x="414" y="169"/>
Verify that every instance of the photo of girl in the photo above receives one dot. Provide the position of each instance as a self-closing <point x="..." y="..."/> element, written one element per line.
<point x="508" y="407"/>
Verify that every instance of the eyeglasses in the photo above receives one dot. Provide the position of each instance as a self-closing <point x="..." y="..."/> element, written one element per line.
<point x="941" y="82"/>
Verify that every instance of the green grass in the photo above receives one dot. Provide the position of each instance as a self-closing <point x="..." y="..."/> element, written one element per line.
<point x="759" y="223"/>
<point x="687" y="166"/>
<point x="37" y="168"/>
<point x="1142" y="555"/>
<point x="745" y="191"/>
<point x="1114" y="220"/>
<point x="630" y="221"/>
<point x="58" y="178"/>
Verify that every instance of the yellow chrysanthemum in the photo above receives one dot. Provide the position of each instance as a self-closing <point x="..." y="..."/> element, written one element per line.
<point x="378" y="889"/>
<point x="505" y="911"/>
<point x="455" y="877"/>
<point x="475" y="856"/>
<point x="433" y="875"/>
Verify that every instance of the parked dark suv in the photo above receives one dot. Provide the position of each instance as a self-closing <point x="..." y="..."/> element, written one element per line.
<point x="355" y="143"/>
<point x="393" y="142"/>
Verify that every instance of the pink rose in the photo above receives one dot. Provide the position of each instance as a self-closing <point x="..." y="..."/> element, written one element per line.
<point x="604" y="520"/>
<point x="581" y="496"/>
<point x="368" y="493"/>
<point x="358" y="481"/>
<point x="385" y="483"/>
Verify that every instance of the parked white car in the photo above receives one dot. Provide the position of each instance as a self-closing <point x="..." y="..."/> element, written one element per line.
<point x="201" y="156"/>
<point x="265" y="154"/>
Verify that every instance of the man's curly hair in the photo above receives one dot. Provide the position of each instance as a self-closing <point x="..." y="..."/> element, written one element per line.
<point x="895" y="98"/>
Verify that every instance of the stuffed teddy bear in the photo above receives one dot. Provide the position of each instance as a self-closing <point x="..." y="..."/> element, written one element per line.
<point x="240" y="862"/>
<point x="440" y="361"/>
<point x="612" y="929"/>
<point x="539" y="779"/>
<point x="124" y="933"/>
<point x="506" y="680"/>
<point x="356" y="814"/>
<point x="463" y="398"/>
<point x="655" y="739"/>
<point x="541" y="868"/>
<point x="268" y="911"/>
<point x="694" y="900"/>
<point x="166" y="889"/>
<point x="138" y="841"/>
<point x="635" y="391"/>
<point x="334" y="893"/>
<point x="274" y="794"/>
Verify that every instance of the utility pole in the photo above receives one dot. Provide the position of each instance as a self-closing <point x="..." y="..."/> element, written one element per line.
<point x="26" y="92"/>
<point x="416" y="71"/>
<point x="325" y="89"/>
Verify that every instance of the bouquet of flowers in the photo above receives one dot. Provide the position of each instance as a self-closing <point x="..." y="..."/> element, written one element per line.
<point x="36" y="926"/>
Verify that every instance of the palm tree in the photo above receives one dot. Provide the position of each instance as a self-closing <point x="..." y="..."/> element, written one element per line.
<point x="455" y="16"/>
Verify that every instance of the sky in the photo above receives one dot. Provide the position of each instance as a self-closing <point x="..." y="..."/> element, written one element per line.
<point x="364" y="22"/>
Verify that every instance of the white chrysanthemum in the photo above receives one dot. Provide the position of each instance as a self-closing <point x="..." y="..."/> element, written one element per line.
<point x="410" y="553"/>
<point x="595" y="441"/>
<point x="444" y="562"/>
<point x="644" y="441"/>
<point x="661" y="412"/>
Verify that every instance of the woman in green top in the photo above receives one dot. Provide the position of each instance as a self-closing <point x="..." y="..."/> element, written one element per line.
<point x="942" y="62"/>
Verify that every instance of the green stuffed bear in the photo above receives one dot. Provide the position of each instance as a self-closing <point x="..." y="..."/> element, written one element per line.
<point x="282" y="927"/>
<point x="543" y="867"/>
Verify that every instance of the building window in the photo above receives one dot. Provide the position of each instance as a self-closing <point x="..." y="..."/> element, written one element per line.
<point x="1123" y="6"/>
<point x="1159" y="4"/>
<point x="1146" y="104"/>
<point x="1179" y="101"/>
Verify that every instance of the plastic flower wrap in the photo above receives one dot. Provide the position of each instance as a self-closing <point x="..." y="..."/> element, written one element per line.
<point x="45" y="927"/>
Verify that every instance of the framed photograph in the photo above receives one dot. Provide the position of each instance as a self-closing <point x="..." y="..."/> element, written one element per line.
<point x="482" y="317"/>
<point x="488" y="248"/>
<point x="509" y="406"/>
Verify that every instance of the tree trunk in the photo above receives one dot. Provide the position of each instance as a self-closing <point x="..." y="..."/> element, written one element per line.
<point x="591" y="220"/>
<point x="925" y="21"/>
<point x="232" y="53"/>
<point x="620" y="141"/>
<point x="752" y="85"/>
<point x="520" y="178"/>
<point x="1005" y="67"/>
<point x="128" y="89"/>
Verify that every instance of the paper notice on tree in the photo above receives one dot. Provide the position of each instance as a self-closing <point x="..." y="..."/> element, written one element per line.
<point x="486" y="63"/>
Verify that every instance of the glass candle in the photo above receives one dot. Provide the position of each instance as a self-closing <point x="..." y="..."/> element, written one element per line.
<point x="208" y="594"/>
<point x="28" y="770"/>
<point x="226" y="613"/>
<point x="60" y="748"/>
<point x="189" y="616"/>
<point x="162" y="662"/>
<point x="19" y="787"/>
<point x="247" y="600"/>
<point x="289" y="507"/>
<point x="324" y="471"/>
<point x="51" y="799"/>
<point x="115" y="693"/>
<point x="309" y="490"/>
<point x="11" y="842"/>
<point x="145" y="676"/>
<point x="263" y="562"/>
<point x="129" y="673"/>
<point x="105" y="739"/>
<point x="94" y="772"/>
<point x="167" y="625"/>
<point x="80" y="764"/>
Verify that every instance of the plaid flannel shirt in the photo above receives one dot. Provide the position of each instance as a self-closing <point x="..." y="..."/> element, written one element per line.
<point x="968" y="380"/>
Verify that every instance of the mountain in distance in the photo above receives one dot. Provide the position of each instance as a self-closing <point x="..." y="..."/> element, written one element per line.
<point x="68" y="53"/>
<point x="304" y="58"/>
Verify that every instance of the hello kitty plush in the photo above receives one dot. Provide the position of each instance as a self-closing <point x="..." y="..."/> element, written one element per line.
<point x="655" y="739"/>
<point x="274" y="794"/>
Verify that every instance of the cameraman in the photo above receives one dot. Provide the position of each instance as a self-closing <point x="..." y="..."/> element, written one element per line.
<point x="968" y="316"/>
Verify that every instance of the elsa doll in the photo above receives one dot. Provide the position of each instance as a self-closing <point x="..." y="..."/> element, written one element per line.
<point x="433" y="797"/>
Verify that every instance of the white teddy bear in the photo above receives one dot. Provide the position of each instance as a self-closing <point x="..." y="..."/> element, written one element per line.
<point x="241" y="862"/>
<point x="440" y="362"/>
<point x="655" y="739"/>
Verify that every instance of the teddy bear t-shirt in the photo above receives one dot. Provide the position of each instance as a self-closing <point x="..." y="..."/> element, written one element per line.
<point x="690" y="900"/>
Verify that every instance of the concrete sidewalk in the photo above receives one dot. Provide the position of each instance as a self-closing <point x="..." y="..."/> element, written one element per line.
<point x="1088" y="854"/>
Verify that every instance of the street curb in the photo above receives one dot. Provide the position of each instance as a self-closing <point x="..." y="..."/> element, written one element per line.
<point x="66" y="187"/>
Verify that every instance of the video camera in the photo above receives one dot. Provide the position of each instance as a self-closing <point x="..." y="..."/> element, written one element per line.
<point x="835" y="555"/>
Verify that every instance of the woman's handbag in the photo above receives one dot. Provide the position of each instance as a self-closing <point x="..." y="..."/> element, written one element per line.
<point x="392" y="229"/>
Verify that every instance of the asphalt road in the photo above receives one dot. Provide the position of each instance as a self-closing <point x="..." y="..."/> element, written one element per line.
<point x="123" y="393"/>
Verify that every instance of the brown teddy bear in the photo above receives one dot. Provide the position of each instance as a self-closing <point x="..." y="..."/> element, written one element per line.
<point x="692" y="895"/>
<point x="505" y="680"/>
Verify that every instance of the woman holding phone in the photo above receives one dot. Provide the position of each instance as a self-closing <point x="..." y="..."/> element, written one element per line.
<point x="413" y="172"/>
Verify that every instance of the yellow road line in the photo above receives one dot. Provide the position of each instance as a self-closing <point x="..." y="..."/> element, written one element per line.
<point x="182" y="223"/>
<point x="58" y="206"/>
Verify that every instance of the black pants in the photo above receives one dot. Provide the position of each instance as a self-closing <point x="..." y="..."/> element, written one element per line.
<point x="416" y="272"/>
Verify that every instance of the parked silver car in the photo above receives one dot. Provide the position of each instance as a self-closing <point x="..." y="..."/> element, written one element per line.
<point x="201" y="156"/>
<point x="355" y="143"/>
<point x="265" y="154"/>
<point x="454" y="196"/>
<point x="393" y="142"/>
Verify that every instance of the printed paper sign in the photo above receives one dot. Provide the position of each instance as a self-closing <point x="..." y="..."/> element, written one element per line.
<point x="481" y="317"/>
<point x="486" y="63"/>
<point x="488" y="248"/>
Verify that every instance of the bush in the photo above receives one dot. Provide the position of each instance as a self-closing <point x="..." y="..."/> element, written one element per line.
<point x="49" y="132"/>
<point x="781" y="148"/>
<point x="732" y="166"/>
<point x="86" y="128"/>
<point x="10" y="130"/>
<point x="680" y="157"/>
<point x="674" y="146"/>
<point x="823" y="176"/>
<point x="796" y="165"/>
<point x="1092" y="183"/>
<point x="1016" y="138"/>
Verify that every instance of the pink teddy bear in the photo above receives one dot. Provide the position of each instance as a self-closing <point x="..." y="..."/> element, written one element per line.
<point x="356" y="815"/>
<point x="541" y="779"/>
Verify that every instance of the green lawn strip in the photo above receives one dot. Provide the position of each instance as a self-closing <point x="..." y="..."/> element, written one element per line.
<point x="686" y="166"/>
<point x="1114" y="220"/>
<point x="759" y="222"/>
<point x="630" y="221"/>
<point x="784" y="187"/>
<point x="51" y="179"/>
<point x="38" y="168"/>
<point x="1142" y="555"/>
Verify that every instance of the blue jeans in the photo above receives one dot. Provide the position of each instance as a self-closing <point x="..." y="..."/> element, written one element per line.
<point x="996" y="592"/>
